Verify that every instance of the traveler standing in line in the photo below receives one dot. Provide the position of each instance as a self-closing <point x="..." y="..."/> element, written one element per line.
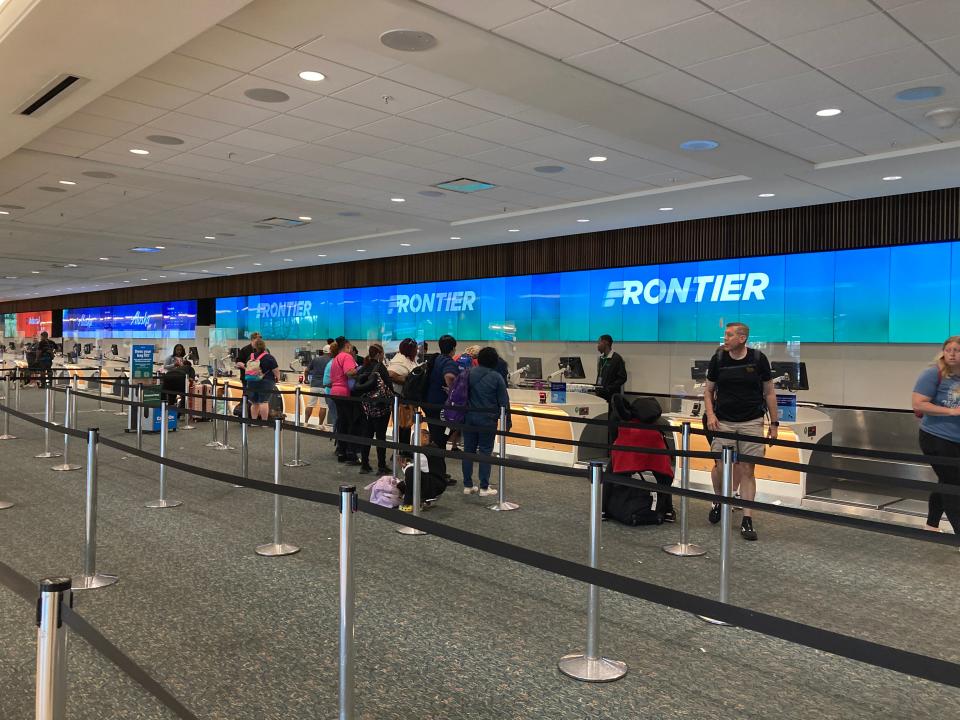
<point x="445" y="371"/>
<point x="261" y="371"/>
<point x="611" y="370"/>
<point x="246" y="352"/>
<point x="314" y="375"/>
<point x="343" y="372"/>
<point x="45" y="352"/>
<point x="738" y="392"/>
<point x="487" y="393"/>
<point x="374" y="424"/>
<point x="467" y="360"/>
<point x="399" y="368"/>
<point x="177" y="370"/>
<point x="937" y="397"/>
<point x="327" y="384"/>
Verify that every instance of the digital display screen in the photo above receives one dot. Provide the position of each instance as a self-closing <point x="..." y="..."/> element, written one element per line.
<point x="150" y="320"/>
<point x="31" y="324"/>
<point x="902" y="294"/>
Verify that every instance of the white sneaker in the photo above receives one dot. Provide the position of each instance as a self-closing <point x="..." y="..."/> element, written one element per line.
<point x="488" y="492"/>
<point x="471" y="490"/>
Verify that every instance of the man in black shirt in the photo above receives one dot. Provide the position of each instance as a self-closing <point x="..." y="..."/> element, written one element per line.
<point x="45" y="353"/>
<point x="738" y="393"/>
<point x="243" y="357"/>
<point x="611" y="370"/>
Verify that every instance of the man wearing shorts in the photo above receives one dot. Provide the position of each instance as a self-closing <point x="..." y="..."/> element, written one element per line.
<point x="739" y="392"/>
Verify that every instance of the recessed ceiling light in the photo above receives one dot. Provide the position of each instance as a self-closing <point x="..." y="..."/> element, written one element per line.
<point x="514" y="230"/>
<point x="404" y="244"/>
<point x="583" y="220"/>
<point x="699" y="145"/>
<point x="288" y="259"/>
<point x="312" y="76"/>
<point x="398" y="199"/>
<point x="258" y="264"/>
<point x="829" y="112"/>
<point x="229" y="267"/>
<point x="11" y="277"/>
<point x="597" y="158"/>
<point x="455" y="237"/>
<point x="35" y="272"/>
<point x="360" y="250"/>
<point x="321" y="255"/>
<point x="104" y="258"/>
<point x="888" y="178"/>
<point x="549" y="169"/>
<point x="266" y="95"/>
<point x="66" y="182"/>
<point x="163" y="276"/>
<point x="209" y="237"/>
<point x="126" y="281"/>
<point x="139" y="151"/>
<point x="144" y="279"/>
<point x="766" y="195"/>
<point x="69" y="265"/>
<point x="160" y="247"/>
<point x="4" y="212"/>
<point x="205" y="271"/>
<point x="665" y="209"/>
<point x="181" y="273"/>
<point x="920" y="93"/>
<point x="305" y="218"/>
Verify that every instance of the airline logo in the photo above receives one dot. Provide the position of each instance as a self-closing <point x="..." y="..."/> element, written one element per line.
<point x="288" y="309"/>
<point x="461" y="301"/>
<point x="697" y="288"/>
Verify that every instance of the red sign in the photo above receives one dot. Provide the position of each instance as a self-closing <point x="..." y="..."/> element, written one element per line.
<point x="30" y="325"/>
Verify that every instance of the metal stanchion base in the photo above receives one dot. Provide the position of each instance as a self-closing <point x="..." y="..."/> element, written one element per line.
<point x="275" y="550"/>
<point x="64" y="467"/>
<point x="92" y="582"/>
<point x="221" y="446"/>
<point x="580" y="667"/>
<point x="296" y="463"/>
<point x="49" y="455"/>
<point x="5" y="504"/>
<point x="712" y="621"/>
<point x="163" y="504"/>
<point x="410" y="531"/>
<point x="8" y="437"/>
<point x="214" y="444"/>
<point x="188" y="426"/>
<point x="684" y="550"/>
<point x="120" y="413"/>
<point x="504" y="506"/>
<point x="98" y="410"/>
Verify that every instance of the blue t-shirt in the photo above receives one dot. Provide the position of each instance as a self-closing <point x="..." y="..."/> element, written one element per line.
<point x="442" y="366"/>
<point x="946" y="394"/>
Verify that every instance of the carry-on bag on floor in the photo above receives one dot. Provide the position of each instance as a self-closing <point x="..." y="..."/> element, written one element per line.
<point x="629" y="505"/>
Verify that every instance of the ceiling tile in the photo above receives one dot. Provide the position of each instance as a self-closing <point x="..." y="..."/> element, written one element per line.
<point x="749" y="68"/>
<point x="296" y="128"/>
<point x="339" y="113"/>
<point x="898" y="66"/>
<point x="562" y="148"/>
<point x="190" y="73"/>
<point x="400" y="98"/>
<point x="720" y="107"/>
<point x="197" y="127"/>
<point x="426" y="80"/>
<point x="949" y="50"/>
<point x="450" y="115"/>
<point x="123" y="110"/>
<point x="138" y="138"/>
<point x="457" y="144"/>
<point x="778" y="19"/>
<point x="486" y="100"/>
<point x="321" y="154"/>
<point x="886" y="96"/>
<point x="880" y="132"/>
<point x="97" y="125"/>
<point x="350" y="55"/>
<point x="197" y="162"/>
<point x="696" y="40"/>
<point x="122" y="146"/>
<point x="401" y="129"/>
<point x="827" y="153"/>
<point x="386" y="168"/>
<point x="487" y="14"/>
<point x="621" y="19"/>
<point x="74" y="138"/>
<point x="233" y="153"/>
<point x="287" y="69"/>
<point x="228" y="111"/>
<point x="232" y="49"/>
<point x="795" y="140"/>
<point x="797" y="89"/>
<point x="760" y="125"/>
<point x="847" y="41"/>
<point x="412" y="155"/>
<point x="261" y="141"/>
<point x="359" y="143"/>
<point x="505" y="130"/>
<point x="510" y="158"/>
<point x="930" y="19"/>
<point x="673" y="86"/>
<point x="618" y="63"/>
<point x="854" y="108"/>
<point x="237" y="89"/>
<point x="548" y="120"/>
<point x="151" y="92"/>
<point x="553" y="34"/>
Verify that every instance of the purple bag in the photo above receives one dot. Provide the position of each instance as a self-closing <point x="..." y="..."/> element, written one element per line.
<point x="383" y="491"/>
<point x="454" y="409"/>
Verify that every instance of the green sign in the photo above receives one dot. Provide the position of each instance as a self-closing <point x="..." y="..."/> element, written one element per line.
<point x="151" y="396"/>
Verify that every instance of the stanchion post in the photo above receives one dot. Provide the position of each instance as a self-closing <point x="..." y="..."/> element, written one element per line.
<point x="725" y="512"/>
<point x="214" y="443"/>
<point x="502" y="503"/>
<point x="47" y="416"/>
<point x="140" y="416"/>
<point x="16" y="395"/>
<point x="189" y="387"/>
<point x="68" y="406"/>
<point x="225" y="443"/>
<point x="91" y="579"/>
<point x="163" y="502"/>
<point x="417" y="498"/>
<point x="51" y="691"/>
<point x="684" y="548"/>
<point x="244" y="438"/>
<point x="6" y="416"/>
<point x="100" y="407"/>
<point x="395" y="436"/>
<point x="590" y="666"/>
<point x="297" y="460"/>
<point x="348" y="506"/>
<point x="277" y="547"/>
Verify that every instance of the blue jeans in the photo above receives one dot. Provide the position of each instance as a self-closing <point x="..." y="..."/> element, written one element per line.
<point x="331" y="408"/>
<point x="482" y="444"/>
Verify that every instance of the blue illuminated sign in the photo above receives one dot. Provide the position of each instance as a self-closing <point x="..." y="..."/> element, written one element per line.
<point x="903" y="294"/>
<point x="150" y="320"/>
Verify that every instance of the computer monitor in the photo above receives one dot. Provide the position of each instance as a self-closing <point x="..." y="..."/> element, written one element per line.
<point x="574" y="367"/>
<point x="87" y="348"/>
<point x="234" y="353"/>
<point x="115" y="350"/>
<point x="193" y="355"/>
<point x="796" y="370"/>
<point x="305" y="356"/>
<point x="698" y="371"/>
<point x="534" y="367"/>
<point x="76" y="349"/>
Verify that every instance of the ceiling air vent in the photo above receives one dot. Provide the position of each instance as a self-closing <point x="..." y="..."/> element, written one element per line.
<point x="281" y="222"/>
<point x="51" y="92"/>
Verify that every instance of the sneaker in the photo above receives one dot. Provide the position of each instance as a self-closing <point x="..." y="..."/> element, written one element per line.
<point x="747" y="531"/>
<point x="714" y="516"/>
<point x="406" y="508"/>
<point x="472" y="490"/>
<point x="488" y="491"/>
<point x="366" y="470"/>
<point x="428" y="504"/>
<point x="670" y="516"/>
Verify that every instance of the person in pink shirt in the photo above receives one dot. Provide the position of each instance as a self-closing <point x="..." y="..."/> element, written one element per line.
<point x="343" y="370"/>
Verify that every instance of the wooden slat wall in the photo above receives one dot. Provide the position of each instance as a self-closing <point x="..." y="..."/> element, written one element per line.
<point x="896" y="220"/>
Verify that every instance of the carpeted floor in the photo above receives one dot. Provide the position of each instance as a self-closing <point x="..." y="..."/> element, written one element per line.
<point x="444" y="631"/>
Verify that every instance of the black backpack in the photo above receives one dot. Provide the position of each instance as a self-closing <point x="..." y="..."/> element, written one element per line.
<point x="418" y="380"/>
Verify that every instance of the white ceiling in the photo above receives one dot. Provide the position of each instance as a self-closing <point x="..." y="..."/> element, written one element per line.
<point x="512" y="86"/>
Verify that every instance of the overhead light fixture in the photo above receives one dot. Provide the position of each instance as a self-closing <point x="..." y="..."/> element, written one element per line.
<point x="597" y="158"/>
<point x="70" y="265"/>
<point x="145" y="249"/>
<point x="360" y="250"/>
<point x="829" y="112"/>
<point x="104" y="258"/>
<point x="455" y="237"/>
<point x="514" y="230"/>
<point x="321" y="255"/>
<point x="163" y="276"/>
<point x="35" y="272"/>
<point x="144" y="279"/>
<point x="398" y="199"/>
<point x="696" y="145"/>
<point x="10" y="277"/>
<point x="209" y="237"/>
<point x="312" y="76"/>
<point x="767" y="195"/>
<point x="67" y="182"/>
<point x="404" y="244"/>
<point x="583" y="220"/>
<point x="665" y="209"/>
<point x="288" y="259"/>
<point x="4" y="212"/>
<point x="228" y="267"/>
<point x="258" y="264"/>
<point x="139" y="151"/>
<point x="126" y="281"/>
<point x="890" y="178"/>
<point x="159" y="247"/>
<point x="920" y="93"/>
<point x="305" y="218"/>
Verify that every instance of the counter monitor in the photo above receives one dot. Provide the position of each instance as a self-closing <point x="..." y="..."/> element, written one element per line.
<point x="305" y="356"/>
<point x="115" y="350"/>
<point x="796" y="372"/>
<point x="192" y="354"/>
<point x="234" y="353"/>
<point x="534" y="367"/>
<point x="574" y="367"/>
<point x="698" y="371"/>
<point x="87" y="348"/>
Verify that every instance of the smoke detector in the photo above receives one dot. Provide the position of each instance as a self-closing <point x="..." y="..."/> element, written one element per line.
<point x="943" y="118"/>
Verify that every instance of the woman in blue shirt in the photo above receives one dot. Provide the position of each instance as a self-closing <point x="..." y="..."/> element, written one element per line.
<point x="936" y="396"/>
<point x="487" y="393"/>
